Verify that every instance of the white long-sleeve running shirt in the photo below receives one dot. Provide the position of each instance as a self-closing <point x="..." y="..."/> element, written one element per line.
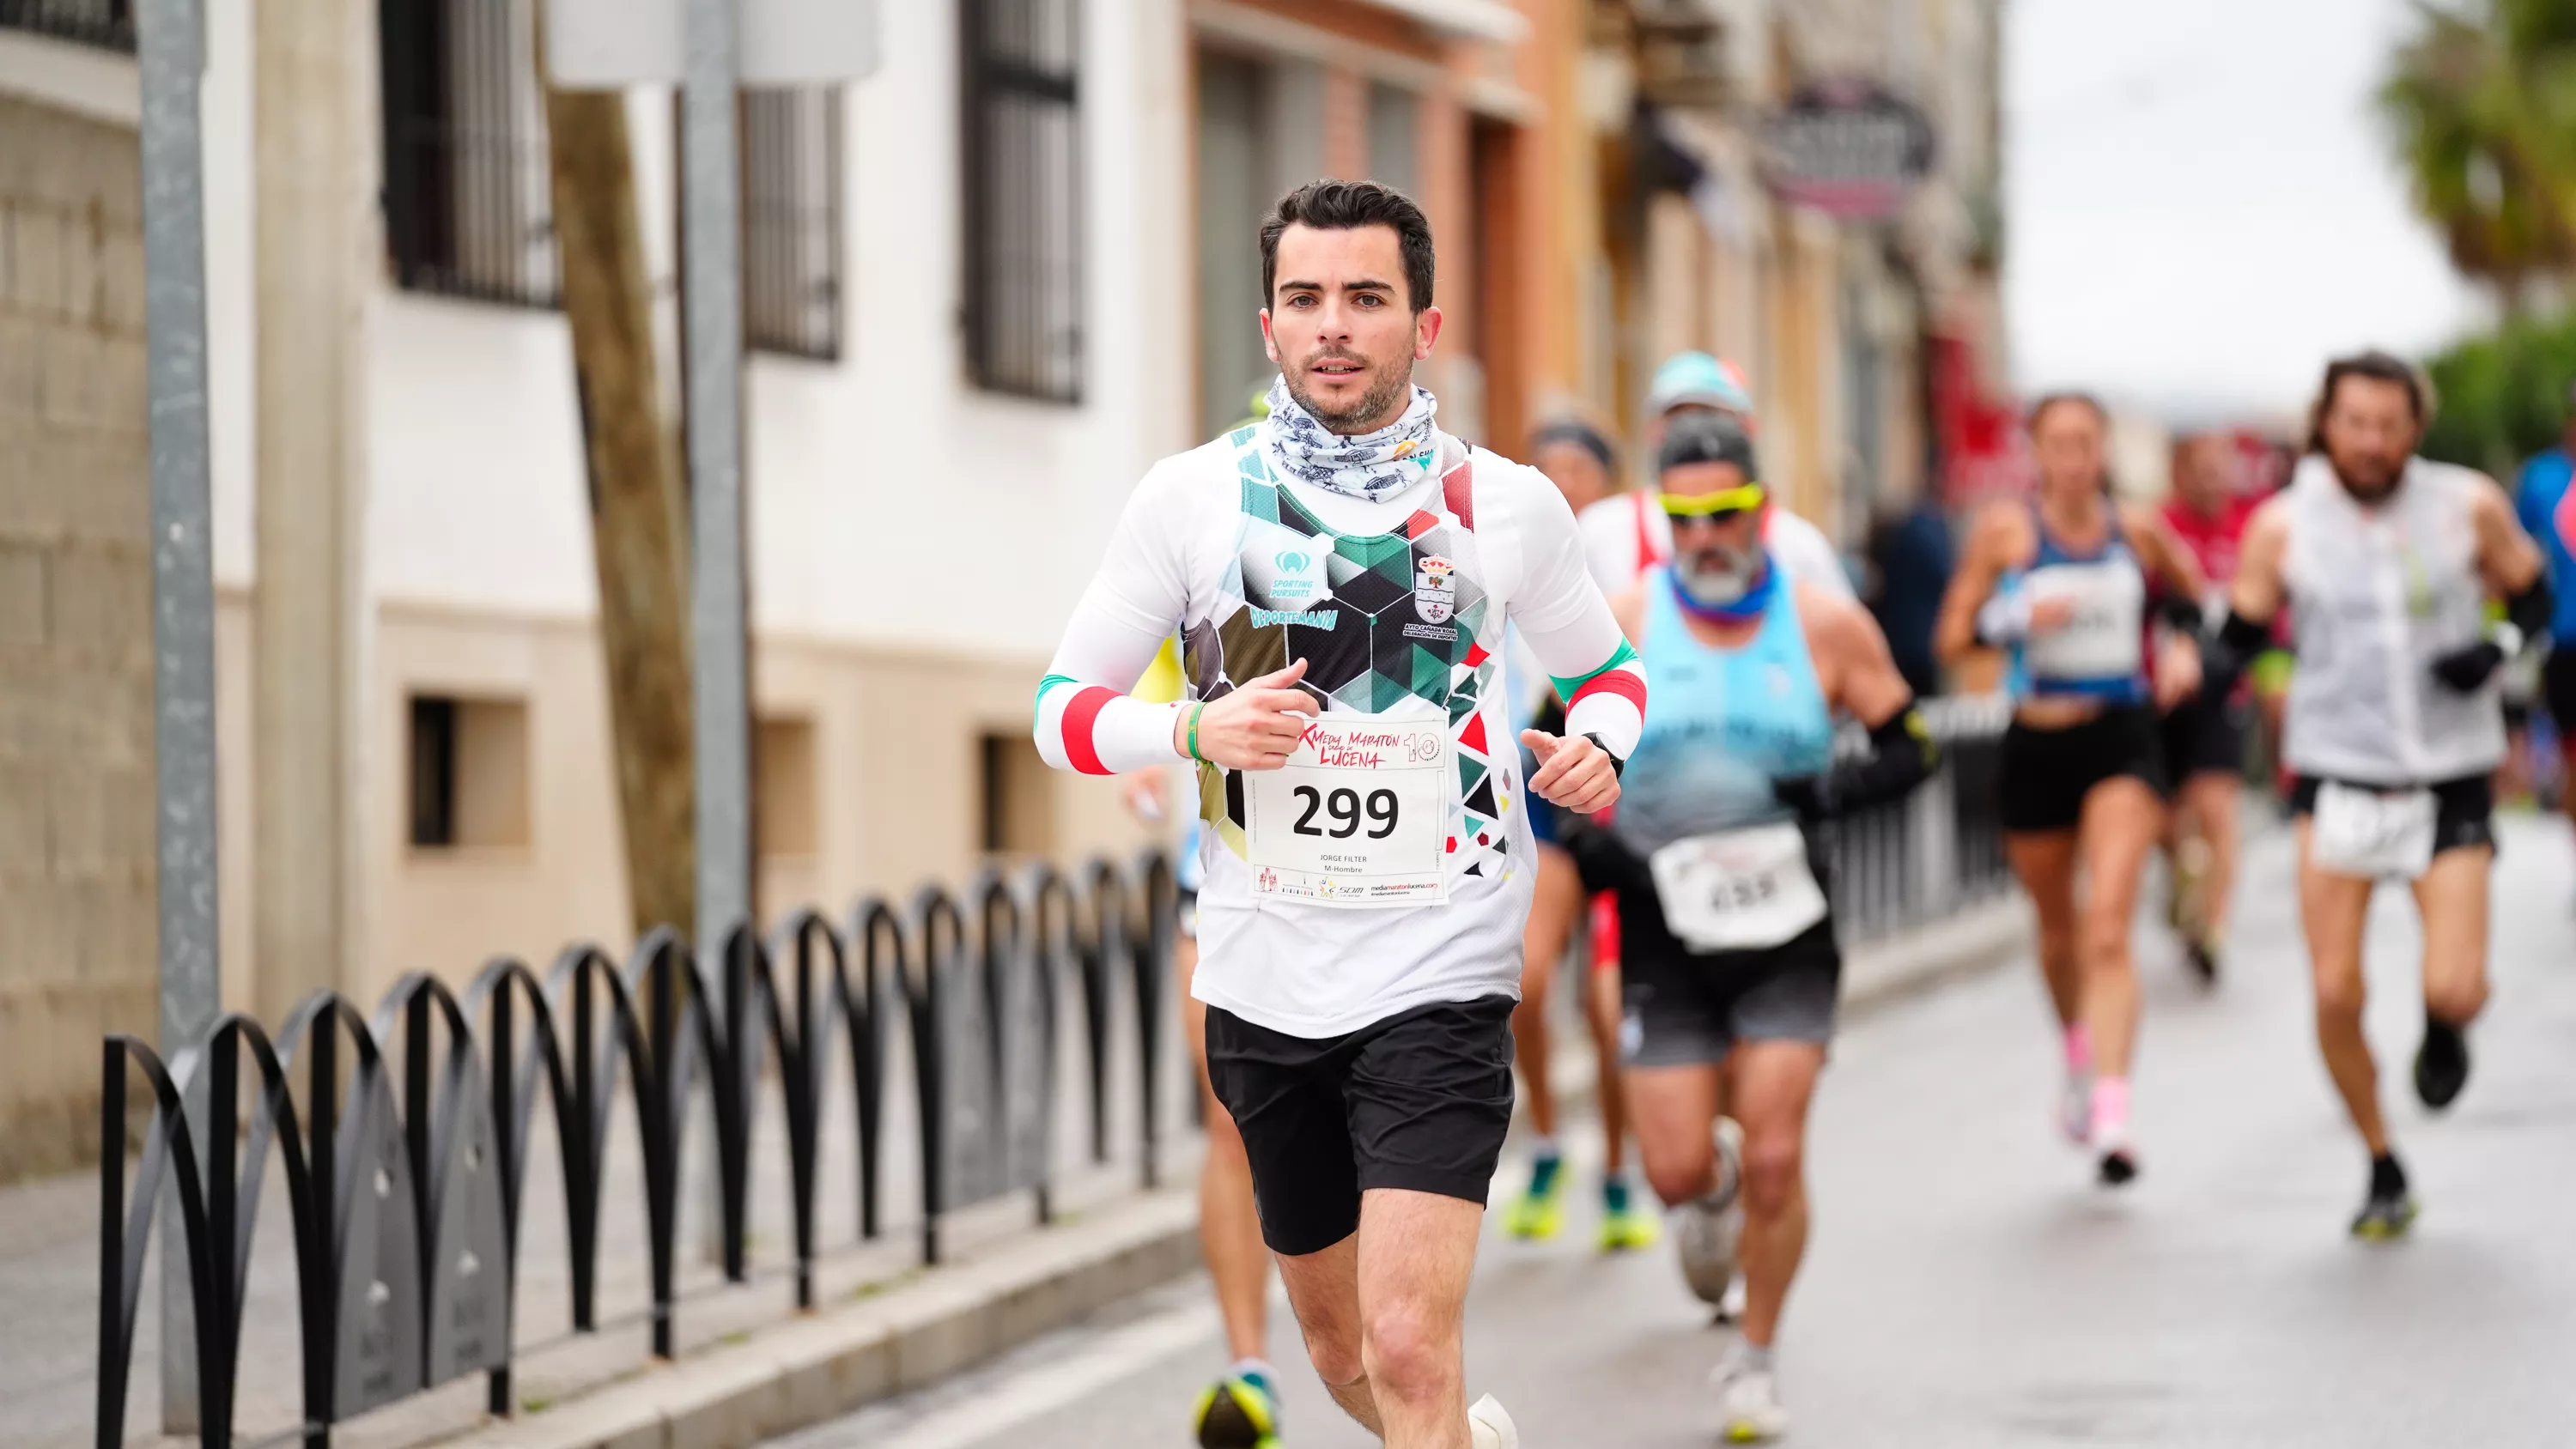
<point x="1399" y="608"/>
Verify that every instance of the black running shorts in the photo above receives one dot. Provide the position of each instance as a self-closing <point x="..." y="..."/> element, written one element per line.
<point x="2463" y="809"/>
<point x="1420" y="1101"/>
<point x="1682" y="1007"/>
<point x="2204" y="736"/>
<point x="2045" y="774"/>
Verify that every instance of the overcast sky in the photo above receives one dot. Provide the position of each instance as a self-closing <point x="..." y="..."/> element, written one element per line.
<point x="2202" y="203"/>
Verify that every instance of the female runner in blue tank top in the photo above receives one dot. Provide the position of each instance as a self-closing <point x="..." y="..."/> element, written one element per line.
<point x="1728" y="960"/>
<point x="2062" y="584"/>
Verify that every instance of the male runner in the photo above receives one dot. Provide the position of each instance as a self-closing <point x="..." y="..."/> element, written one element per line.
<point x="1623" y="536"/>
<point x="1342" y="575"/>
<point x="1729" y="952"/>
<point x="2547" y="508"/>
<point x="1581" y="463"/>
<point x="2204" y="736"/>
<point x="2393" y="729"/>
<point x="1626" y="535"/>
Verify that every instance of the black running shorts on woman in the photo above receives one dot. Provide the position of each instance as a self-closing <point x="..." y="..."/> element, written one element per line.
<point x="1419" y="1101"/>
<point x="2047" y="773"/>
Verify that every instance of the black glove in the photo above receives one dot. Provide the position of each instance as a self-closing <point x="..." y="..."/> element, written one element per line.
<point x="2467" y="670"/>
<point x="1804" y="794"/>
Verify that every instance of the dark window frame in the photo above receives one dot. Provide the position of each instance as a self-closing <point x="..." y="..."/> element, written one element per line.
<point x="107" y="24"/>
<point x="793" y="243"/>
<point x="431" y="746"/>
<point x="469" y="199"/>
<point x="1009" y="349"/>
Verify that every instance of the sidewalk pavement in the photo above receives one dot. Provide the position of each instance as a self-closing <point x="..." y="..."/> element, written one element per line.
<point x="750" y="1367"/>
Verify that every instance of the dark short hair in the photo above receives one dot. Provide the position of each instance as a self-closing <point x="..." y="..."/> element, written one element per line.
<point x="1707" y="437"/>
<point x="1579" y="433"/>
<point x="2380" y="367"/>
<point x="2070" y="398"/>
<point x="1347" y="206"/>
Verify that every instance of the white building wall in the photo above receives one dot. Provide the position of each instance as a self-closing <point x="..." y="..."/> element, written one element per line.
<point x="891" y="502"/>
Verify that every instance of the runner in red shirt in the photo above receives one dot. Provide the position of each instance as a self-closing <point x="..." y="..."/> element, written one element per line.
<point x="2204" y="738"/>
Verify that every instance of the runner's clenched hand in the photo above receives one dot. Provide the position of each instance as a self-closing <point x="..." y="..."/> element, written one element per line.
<point x="1255" y="727"/>
<point x="1574" y="773"/>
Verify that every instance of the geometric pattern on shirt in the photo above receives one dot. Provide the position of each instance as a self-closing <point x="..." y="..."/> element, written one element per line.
<point x="1379" y="636"/>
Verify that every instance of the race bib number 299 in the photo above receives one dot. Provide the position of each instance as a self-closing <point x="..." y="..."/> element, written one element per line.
<point x="1358" y="817"/>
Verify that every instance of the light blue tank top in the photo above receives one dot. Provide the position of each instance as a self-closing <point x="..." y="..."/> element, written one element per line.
<point x="1721" y="725"/>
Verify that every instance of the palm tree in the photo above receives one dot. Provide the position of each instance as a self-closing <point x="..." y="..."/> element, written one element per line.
<point x="2482" y="104"/>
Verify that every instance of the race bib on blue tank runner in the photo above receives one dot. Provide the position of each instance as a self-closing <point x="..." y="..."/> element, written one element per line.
<point x="2370" y="834"/>
<point x="1358" y="817"/>
<point x="1744" y="890"/>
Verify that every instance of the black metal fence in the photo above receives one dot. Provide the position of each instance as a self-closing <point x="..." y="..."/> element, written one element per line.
<point x="108" y="23"/>
<point x="1937" y="850"/>
<point x="404" y="1138"/>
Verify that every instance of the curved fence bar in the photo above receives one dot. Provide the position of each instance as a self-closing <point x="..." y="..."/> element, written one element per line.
<point x="404" y="1139"/>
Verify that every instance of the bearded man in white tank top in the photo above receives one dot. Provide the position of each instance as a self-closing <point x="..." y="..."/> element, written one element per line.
<point x="2389" y="562"/>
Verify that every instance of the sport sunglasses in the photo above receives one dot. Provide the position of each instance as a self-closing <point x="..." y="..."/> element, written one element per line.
<point x="1741" y="499"/>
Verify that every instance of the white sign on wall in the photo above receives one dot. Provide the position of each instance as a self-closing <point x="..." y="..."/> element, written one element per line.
<point x="607" y="44"/>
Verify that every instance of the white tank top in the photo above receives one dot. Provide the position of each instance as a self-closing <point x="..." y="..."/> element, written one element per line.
<point x="2376" y="595"/>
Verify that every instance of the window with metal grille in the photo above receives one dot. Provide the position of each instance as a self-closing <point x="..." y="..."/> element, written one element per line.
<point x="108" y="23"/>
<point x="1024" y="196"/>
<point x="469" y="206"/>
<point x="791" y="221"/>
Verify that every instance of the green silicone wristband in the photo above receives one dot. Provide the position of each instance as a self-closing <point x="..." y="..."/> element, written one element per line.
<point x="1195" y="711"/>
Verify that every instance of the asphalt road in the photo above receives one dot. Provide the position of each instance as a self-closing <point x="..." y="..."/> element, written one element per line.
<point x="1968" y="1286"/>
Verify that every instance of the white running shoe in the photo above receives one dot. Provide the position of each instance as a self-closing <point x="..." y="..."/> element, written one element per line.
<point x="1704" y="1237"/>
<point x="1748" y="1401"/>
<point x="1731" y="1308"/>
<point x="1488" y="1427"/>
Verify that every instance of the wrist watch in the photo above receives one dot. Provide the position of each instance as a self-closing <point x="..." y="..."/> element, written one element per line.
<point x="1618" y="766"/>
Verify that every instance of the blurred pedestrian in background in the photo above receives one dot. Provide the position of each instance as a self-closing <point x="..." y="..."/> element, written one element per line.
<point x="1580" y="461"/>
<point x="2204" y="736"/>
<point x="2547" y="508"/>
<point x="1910" y="556"/>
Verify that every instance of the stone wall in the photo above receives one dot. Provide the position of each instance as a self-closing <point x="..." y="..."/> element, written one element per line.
<point x="76" y="812"/>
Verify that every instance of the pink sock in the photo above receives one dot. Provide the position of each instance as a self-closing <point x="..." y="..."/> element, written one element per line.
<point x="2079" y="1049"/>
<point x="2110" y="1108"/>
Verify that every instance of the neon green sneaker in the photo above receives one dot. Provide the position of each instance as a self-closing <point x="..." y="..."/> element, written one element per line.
<point x="1539" y="1213"/>
<point x="1238" y="1411"/>
<point x="1623" y="1226"/>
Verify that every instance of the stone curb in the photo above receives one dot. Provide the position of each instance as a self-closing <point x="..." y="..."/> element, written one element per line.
<point x="816" y="1368"/>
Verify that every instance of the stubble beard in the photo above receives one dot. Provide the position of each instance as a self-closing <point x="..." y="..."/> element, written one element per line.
<point x="2374" y="483"/>
<point x="1390" y="388"/>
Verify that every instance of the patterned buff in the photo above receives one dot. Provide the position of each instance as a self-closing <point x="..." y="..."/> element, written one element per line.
<point x="1368" y="467"/>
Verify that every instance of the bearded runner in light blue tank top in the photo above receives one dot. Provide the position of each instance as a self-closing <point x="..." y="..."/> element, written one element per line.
<point x="1727" y="938"/>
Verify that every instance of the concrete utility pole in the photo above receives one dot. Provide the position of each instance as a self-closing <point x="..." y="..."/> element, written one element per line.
<point x="313" y="185"/>
<point x="170" y="42"/>
<point x="711" y="229"/>
<point x="637" y="548"/>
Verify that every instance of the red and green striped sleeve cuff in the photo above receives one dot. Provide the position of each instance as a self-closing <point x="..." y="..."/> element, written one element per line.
<point x="1610" y="701"/>
<point x="1092" y="729"/>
